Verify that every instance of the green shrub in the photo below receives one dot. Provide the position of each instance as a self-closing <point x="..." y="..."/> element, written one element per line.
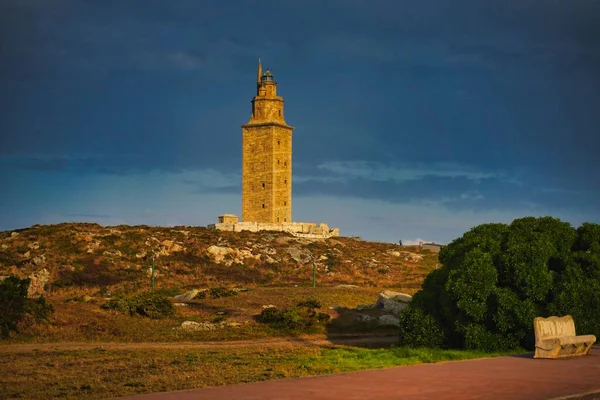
<point x="418" y="329"/>
<point x="497" y="278"/>
<point x="16" y="305"/>
<point x="299" y="318"/>
<point x="310" y="303"/>
<point x="147" y="304"/>
<point x="13" y="296"/>
<point x="270" y="315"/>
<point x="221" y="291"/>
<point x="218" y="292"/>
<point x="38" y="309"/>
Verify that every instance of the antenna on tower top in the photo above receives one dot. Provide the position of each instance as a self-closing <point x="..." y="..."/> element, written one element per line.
<point x="259" y="72"/>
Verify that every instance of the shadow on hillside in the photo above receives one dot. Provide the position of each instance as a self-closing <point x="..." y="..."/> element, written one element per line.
<point x="360" y="329"/>
<point x="213" y="309"/>
<point x="366" y="340"/>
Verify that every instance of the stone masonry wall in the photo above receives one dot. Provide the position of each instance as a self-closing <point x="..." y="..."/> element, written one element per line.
<point x="267" y="159"/>
<point x="302" y="229"/>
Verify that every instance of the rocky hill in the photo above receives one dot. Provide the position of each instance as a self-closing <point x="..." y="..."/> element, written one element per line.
<point x="119" y="258"/>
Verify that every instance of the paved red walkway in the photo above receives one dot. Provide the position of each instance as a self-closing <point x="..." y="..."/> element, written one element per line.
<point x="493" y="378"/>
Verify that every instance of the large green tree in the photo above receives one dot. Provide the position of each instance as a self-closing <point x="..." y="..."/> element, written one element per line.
<point x="497" y="278"/>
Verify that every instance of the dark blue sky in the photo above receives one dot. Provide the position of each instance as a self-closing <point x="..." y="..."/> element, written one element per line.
<point x="413" y="119"/>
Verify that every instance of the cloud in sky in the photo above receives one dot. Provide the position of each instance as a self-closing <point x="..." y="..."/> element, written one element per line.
<point x="434" y="109"/>
<point x="192" y="198"/>
<point x="380" y="172"/>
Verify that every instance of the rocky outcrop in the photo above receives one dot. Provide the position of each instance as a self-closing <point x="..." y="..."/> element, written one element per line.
<point x="364" y="318"/>
<point x="270" y="260"/>
<point x="384" y="312"/>
<point x="207" y="326"/>
<point x="406" y="256"/>
<point x="388" y="320"/>
<point x="167" y="247"/>
<point x="218" y="253"/>
<point x="393" y="302"/>
<point x="187" y="296"/>
<point x="156" y="273"/>
<point x="198" y="326"/>
<point x="39" y="260"/>
<point x="39" y="279"/>
<point x="92" y="246"/>
<point x="301" y="256"/>
<point x="229" y="256"/>
<point x="412" y="257"/>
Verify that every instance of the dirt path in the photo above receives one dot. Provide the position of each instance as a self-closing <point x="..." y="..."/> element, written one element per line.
<point x="312" y="340"/>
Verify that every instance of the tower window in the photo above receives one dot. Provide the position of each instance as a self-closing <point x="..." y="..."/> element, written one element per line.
<point x="264" y="205"/>
<point x="278" y="143"/>
<point x="285" y="163"/>
<point x="285" y="203"/>
<point x="285" y="181"/>
<point x="277" y="162"/>
<point x="279" y="112"/>
<point x="263" y="185"/>
<point x="285" y="220"/>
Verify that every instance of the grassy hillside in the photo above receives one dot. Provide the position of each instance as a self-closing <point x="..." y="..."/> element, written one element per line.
<point x="117" y="259"/>
<point x="79" y="267"/>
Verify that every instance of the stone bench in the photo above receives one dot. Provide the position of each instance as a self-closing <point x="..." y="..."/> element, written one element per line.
<point x="555" y="337"/>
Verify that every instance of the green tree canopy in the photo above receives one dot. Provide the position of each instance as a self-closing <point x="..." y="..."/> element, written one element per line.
<point x="497" y="278"/>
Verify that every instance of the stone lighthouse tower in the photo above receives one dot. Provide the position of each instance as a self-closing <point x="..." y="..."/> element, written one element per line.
<point x="266" y="157"/>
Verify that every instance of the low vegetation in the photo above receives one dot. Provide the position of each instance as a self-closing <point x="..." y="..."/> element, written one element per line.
<point x="217" y="293"/>
<point x="303" y="317"/>
<point x="147" y="304"/>
<point x="497" y="278"/>
<point x="81" y="318"/>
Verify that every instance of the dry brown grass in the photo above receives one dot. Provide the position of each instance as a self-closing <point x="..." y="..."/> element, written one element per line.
<point x="83" y="256"/>
<point x="78" y="270"/>
<point x="73" y="321"/>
